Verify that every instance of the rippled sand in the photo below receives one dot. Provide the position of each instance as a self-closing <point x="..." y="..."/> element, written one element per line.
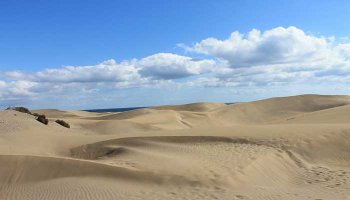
<point x="281" y="148"/>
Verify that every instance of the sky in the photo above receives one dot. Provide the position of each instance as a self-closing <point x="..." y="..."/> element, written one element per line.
<point x="87" y="54"/>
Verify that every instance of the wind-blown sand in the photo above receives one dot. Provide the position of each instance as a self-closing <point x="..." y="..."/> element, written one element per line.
<point x="282" y="148"/>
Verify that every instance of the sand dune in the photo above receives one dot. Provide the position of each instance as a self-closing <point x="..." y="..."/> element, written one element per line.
<point x="268" y="110"/>
<point x="338" y="114"/>
<point x="194" y="107"/>
<point x="280" y="148"/>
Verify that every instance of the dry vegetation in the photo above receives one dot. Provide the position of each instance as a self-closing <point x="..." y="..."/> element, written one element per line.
<point x="62" y="123"/>
<point x="42" y="119"/>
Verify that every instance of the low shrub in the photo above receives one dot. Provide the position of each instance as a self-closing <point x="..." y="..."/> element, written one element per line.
<point x="42" y="119"/>
<point x="62" y="123"/>
<point x="36" y="114"/>
<point x="20" y="109"/>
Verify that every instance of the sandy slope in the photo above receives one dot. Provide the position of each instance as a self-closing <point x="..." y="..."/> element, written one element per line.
<point x="281" y="148"/>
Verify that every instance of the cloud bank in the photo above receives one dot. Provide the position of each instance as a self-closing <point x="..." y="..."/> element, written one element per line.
<point x="279" y="56"/>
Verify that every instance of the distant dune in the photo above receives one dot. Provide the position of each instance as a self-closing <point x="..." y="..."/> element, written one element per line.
<point x="194" y="107"/>
<point x="294" y="147"/>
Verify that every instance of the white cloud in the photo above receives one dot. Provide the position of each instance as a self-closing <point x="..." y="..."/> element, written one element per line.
<point x="152" y="71"/>
<point x="16" y="89"/>
<point x="157" y="66"/>
<point x="277" y="56"/>
<point x="108" y="71"/>
<point x="2" y="84"/>
<point x="172" y="66"/>
<point x="276" y="46"/>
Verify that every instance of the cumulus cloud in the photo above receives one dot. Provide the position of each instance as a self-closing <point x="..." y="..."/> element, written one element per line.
<point x="16" y="89"/>
<point x="277" y="56"/>
<point x="172" y="66"/>
<point x="157" y="66"/>
<point x="107" y="71"/>
<point x="275" y="46"/>
<point x="155" y="70"/>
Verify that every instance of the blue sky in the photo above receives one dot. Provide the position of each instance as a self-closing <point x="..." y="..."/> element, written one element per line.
<point x="38" y="39"/>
